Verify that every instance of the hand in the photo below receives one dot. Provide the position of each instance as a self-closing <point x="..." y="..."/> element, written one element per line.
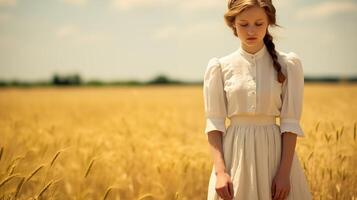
<point x="280" y="186"/>
<point x="224" y="186"/>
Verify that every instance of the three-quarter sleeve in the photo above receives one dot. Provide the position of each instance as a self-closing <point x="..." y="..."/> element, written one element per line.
<point x="292" y="96"/>
<point x="215" y="102"/>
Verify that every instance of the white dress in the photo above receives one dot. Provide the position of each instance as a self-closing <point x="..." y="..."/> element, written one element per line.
<point x="243" y="87"/>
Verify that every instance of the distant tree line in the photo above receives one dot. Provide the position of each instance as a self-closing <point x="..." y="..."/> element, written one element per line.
<point x="76" y="80"/>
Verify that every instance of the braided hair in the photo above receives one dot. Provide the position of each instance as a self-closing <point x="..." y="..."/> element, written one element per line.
<point x="268" y="40"/>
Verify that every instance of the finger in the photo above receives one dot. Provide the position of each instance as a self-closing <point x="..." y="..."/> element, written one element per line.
<point x="287" y="193"/>
<point x="219" y="192"/>
<point x="277" y="193"/>
<point x="231" y="191"/>
<point x="281" y="195"/>
<point x="226" y="192"/>
<point x="273" y="189"/>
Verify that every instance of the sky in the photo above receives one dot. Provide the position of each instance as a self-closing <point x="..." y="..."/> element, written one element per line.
<point x="139" y="39"/>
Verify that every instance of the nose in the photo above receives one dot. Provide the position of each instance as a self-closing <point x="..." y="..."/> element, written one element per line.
<point x="251" y="30"/>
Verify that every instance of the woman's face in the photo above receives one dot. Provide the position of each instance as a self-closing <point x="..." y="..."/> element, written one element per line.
<point x="251" y="25"/>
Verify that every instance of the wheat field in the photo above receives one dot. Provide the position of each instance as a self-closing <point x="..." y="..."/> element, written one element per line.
<point x="144" y="143"/>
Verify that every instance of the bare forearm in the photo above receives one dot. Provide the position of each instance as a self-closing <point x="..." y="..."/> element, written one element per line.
<point x="215" y="141"/>
<point x="288" y="149"/>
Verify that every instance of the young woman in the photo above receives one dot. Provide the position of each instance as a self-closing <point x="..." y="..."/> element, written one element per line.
<point x="254" y="158"/>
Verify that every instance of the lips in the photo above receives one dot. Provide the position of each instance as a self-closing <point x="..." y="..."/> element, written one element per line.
<point x="251" y="38"/>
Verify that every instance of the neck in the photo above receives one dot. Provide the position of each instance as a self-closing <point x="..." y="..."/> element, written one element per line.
<point x="252" y="49"/>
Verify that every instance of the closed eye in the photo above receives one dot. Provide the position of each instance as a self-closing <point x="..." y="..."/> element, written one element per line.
<point x="244" y="25"/>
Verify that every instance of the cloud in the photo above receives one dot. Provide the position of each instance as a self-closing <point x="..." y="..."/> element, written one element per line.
<point x="74" y="33"/>
<point x="76" y="2"/>
<point x="326" y="9"/>
<point x="185" y="5"/>
<point x="200" y="4"/>
<point x="186" y="31"/>
<point x="131" y="4"/>
<point x="8" y="2"/>
<point x="284" y="4"/>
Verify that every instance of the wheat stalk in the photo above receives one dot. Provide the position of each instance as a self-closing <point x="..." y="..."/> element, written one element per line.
<point x="107" y="192"/>
<point x="317" y="126"/>
<point x="44" y="189"/>
<point x="12" y="169"/>
<point x="89" y="168"/>
<point x="7" y="179"/>
<point x="310" y="156"/>
<point x="354" y="131"/>
<point x="177" y="196"/>
<point x="33" y="173"/>
<point x="1" y="152"/>
<point x="327" y="137"/>
<point x="55" y="157"/>
<point x="19" y="186"/>
<point x="13" y="164"/>
<point x="146" y="196"/>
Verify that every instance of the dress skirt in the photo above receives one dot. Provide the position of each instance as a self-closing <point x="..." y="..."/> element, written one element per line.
<point x="252" y="152"/>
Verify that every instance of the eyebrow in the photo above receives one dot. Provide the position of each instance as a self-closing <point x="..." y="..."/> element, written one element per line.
<point x="247" y="20"/>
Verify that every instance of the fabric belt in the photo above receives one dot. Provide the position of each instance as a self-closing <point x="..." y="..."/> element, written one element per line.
<point x="253" y="120"/>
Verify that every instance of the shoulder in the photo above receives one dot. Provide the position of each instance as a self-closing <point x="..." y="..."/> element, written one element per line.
<point x="222" y="61"/>
<point x="213" y="63"/>
<point x="212" y="68"/>
<point x="290" y="62"/>
<point x="228" y="59"/>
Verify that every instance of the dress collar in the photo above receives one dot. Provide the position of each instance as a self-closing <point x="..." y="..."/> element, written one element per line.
<point x="256" y="55"/>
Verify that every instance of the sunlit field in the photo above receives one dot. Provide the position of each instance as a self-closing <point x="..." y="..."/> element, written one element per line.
<point x="146" y="143"/>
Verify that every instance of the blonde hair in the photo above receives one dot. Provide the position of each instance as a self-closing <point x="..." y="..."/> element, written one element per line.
<point x="237" y="6"/>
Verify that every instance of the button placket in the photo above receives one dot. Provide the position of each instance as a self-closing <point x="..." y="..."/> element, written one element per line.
<point x="254" y="88"/>
<point x="254" y="68"/>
